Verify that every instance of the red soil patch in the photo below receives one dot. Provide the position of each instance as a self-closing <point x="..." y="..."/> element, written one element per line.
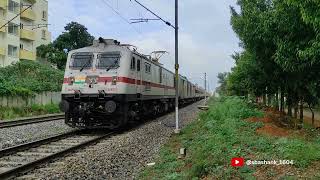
<point x="270" y="129"/>
<point x="271" y="125"/>
<point x="264" y="119"/>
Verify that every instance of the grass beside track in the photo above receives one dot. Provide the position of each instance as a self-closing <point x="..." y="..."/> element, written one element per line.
<point x="221" y="134"/>
<point x="34" y="110"/>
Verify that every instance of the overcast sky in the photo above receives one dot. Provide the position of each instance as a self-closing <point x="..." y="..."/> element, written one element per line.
<point x="206" y="37"/>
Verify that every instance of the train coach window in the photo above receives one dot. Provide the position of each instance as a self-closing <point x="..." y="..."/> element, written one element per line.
<point x="133" y="64"/>
<point x="81" y="60"/>
<point x="138" y="65"/>
<point x="148" y="67"/>
<point x="108" y="61"/>
<point x="160" y="75"/>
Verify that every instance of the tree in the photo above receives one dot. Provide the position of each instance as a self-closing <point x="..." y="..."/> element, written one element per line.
<point x="75" y="36"/>
<point x="281" y="42"/>
<point x="222" y="80"/>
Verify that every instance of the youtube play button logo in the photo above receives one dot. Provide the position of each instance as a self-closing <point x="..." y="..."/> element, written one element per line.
<point x="237" y="162"/>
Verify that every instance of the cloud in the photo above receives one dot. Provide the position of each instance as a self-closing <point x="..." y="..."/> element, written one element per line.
<point x="206" y="39"/>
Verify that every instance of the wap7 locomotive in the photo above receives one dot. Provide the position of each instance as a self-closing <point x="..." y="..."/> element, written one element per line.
<point x="108" y="84"/>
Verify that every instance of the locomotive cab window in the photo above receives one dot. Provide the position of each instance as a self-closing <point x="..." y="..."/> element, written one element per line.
<point x="133" y="64"/>
<point x="108" y="61"/>
<point x="81" y="60"/>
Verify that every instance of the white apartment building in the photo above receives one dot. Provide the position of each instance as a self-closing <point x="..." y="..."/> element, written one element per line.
<point x="20" y="38"/>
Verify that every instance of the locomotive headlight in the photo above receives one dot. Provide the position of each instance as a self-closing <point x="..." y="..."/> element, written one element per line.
<point x="92" y="79"/>
<point x="114" y="80"/>
<point x="110" y="106"/>
<point x="71" y="80"/>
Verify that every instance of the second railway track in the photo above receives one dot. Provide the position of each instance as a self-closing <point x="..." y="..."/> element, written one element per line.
<point x="23" y="158"/>
<point x="34" y="120"/>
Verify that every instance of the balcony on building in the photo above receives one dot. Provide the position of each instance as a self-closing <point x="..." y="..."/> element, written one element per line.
<point x="27" y="35"/>
<point x="32" y="1"/>
<point x="3" y="4"/>
<point x="28" y="14"/>
<point x="3" y="51"/>
<point x="4" y="29"/>
<point x="28" y="55"/>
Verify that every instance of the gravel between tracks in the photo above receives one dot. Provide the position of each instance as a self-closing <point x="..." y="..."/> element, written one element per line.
<point x="122" y="156"/>
<point x="26" y="133"/>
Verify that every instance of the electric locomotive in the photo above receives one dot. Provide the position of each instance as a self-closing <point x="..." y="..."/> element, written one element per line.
<point x="109" y="83"/>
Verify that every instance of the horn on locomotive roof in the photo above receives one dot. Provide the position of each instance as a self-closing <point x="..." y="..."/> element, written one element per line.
<point x="108" y="41"/>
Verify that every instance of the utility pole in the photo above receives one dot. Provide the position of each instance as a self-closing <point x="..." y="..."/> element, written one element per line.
<point x="205" y="86"/>
<point x="177" y="130"/>
<point x="176" y="28"/>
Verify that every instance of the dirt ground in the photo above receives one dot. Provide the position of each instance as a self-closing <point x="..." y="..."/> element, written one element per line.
<point x="273" y="127"/>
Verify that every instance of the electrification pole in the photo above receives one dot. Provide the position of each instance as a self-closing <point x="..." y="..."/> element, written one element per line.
<point x="176" y="28"/>
<point x="177" y="130"/>
<point x="205" y="86"/>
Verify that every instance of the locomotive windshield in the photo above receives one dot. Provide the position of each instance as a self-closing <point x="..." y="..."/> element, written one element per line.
<point x="81" y="60"/>
<point x="108" y="61"/>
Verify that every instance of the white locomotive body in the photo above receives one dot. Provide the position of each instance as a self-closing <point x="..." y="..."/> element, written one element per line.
<point x="107" y="84"/>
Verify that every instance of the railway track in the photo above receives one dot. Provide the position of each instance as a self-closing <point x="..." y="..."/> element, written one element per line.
<point x="23" y="158"/>
<point x="33" y="120"/>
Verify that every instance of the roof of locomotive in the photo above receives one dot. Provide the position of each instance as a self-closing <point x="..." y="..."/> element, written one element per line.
<point x="102" y="45"/>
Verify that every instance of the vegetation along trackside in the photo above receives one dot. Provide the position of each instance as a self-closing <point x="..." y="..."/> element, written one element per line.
<point x="221" y="134"/>
<point x="27" y="78"/>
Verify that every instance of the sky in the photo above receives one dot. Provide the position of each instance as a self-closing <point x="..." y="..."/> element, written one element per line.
<point x="206" y="39"/>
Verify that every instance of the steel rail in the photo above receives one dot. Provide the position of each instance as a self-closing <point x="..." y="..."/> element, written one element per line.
<point x="33" y="120"/>
<point x="31" y="165"/>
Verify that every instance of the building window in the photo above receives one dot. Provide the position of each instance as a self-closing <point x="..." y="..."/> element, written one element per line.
<point x="148" y="67"/>
<point x="21" y="26"/>
<point x="13" y="29"/>
<point x="43" y="34"/>
<point x="13" y="6"/>
<point x="133" y="64"/>
<point x="12" y="51"/>
<point x="44" y="15"/>
<point x="21" y="46"/>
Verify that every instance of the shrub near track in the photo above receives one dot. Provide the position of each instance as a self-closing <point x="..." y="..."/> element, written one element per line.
<point x="221" y="134"/>
<point x="26" y="78"/>
<point x="29" y="111"/>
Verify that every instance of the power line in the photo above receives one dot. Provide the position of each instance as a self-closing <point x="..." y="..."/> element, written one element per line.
<point x="166" y="22"/>
<point x="31" y="25"/>
<point x="120" y="15"/>
<point x="139" y="20"/>
<point x="16" y="16"/>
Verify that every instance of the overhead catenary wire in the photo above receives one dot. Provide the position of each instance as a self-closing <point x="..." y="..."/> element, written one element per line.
<point x="16" y="16"/>
<point x="166" y="22"/>
<point x="120" y="15"/>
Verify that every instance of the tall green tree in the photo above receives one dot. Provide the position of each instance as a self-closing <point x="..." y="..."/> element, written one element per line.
<point x="75" y="36"/>
<point x="281" y="45"/>
<point x="222" y="81"/>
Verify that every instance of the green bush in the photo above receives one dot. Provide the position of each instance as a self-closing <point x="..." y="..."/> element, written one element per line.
<point x="34" y="110"/>
<point x="26" y="78"/>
